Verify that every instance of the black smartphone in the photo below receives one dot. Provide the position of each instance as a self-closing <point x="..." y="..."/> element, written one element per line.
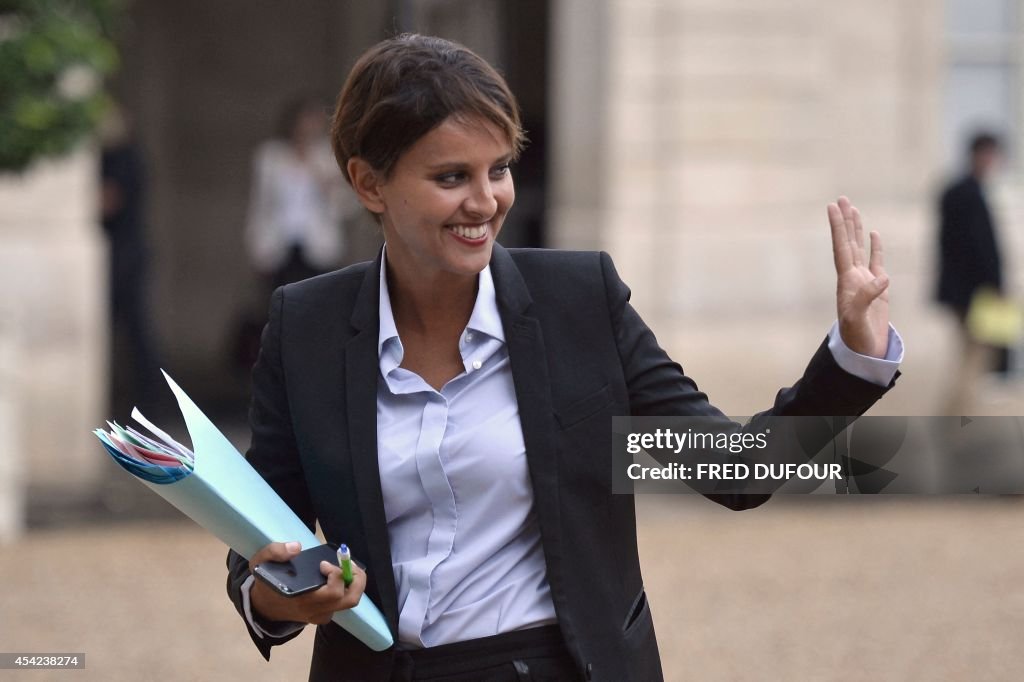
<point x="299" y="575"/>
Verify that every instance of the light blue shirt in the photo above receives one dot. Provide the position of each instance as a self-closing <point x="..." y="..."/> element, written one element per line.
<point x="878" y="371"/>
<point x="465" y="542"/>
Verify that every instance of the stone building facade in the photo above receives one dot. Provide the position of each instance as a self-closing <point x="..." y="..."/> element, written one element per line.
<point x="699" y="144"/>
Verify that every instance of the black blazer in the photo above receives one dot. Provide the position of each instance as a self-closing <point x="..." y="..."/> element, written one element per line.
<point x="579" y="354"/>
<point x="968" y="248"/>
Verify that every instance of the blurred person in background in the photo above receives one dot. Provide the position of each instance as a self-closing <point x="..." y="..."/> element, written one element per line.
<point x="298" y="202"/>
<point x="446" y="409"/>
<point x="969" y="260"/>
<point x="122" y="193"/>
<point x="297" y="199"/>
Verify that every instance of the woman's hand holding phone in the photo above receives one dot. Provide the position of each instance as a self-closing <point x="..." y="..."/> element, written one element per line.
<point x="315" y="607"/>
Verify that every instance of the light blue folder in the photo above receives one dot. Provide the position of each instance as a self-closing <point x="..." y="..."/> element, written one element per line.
<point x="227" y="497"/>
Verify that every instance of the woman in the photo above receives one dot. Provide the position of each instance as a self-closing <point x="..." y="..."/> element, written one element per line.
<point x="446" y="409"/>
<point x="297" y="201"/>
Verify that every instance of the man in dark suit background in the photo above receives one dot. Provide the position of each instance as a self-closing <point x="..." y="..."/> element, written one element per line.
<point x="122" y="213"/>
<point x="969" y="260"/>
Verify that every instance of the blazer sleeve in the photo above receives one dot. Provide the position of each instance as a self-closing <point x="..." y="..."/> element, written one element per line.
<point x="273" y="453"/>
<point x="658" y="386"/>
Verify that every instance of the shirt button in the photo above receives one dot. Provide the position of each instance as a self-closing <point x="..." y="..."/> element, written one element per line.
<point x="477" y="364"/>
<point x="469" y="336"/>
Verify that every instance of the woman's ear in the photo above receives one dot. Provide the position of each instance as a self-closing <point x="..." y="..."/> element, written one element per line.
<point x="366" y="184"/>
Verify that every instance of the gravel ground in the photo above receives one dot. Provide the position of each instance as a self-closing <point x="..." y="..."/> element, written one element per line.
<point x="802" y="589"/>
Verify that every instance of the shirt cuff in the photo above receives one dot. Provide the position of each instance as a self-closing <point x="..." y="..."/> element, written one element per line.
<point x="283" y="628"/>
<point x="878" y="371"/>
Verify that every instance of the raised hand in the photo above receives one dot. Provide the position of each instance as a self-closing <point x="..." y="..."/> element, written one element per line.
<point x="862" y="286"/>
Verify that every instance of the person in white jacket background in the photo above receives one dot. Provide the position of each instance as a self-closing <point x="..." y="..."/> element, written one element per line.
<point x="298" y="199"/>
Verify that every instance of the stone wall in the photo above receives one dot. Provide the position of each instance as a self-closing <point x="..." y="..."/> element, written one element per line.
<point x="53" y="333"/>
<point x="205" y="84"/>
<point x="698" y="141"/>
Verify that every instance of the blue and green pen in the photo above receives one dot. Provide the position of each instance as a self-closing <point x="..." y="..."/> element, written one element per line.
<point x="345" y="561"/>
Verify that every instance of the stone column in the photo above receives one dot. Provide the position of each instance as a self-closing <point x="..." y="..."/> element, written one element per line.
<point x="12" y="483"/>
<point x="53" y="334"/>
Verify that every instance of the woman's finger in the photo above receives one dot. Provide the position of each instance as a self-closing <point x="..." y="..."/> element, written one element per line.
<point x="870" y="291"/>
<point x="856" y="246"/>
<point x="840" y="241"/>
<point x="877" y="262"/>
<point x="275" y="551"/>
<point x="354" y="592"/>
<point x="858" y="230"/>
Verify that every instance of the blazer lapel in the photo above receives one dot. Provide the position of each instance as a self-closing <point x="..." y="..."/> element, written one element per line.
<point x="361" y="368"/>
<point x="529" y="363"/>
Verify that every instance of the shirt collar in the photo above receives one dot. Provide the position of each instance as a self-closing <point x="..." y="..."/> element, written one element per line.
<point x="484" y="319"/>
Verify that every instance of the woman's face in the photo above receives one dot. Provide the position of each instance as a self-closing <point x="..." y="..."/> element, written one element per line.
<point x="446" y="200"/>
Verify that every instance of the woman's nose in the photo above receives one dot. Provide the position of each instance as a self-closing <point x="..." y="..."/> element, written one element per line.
<point x="481" y="202"/>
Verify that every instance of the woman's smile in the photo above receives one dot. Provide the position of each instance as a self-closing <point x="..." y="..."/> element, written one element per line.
<point x="474" y="235"/>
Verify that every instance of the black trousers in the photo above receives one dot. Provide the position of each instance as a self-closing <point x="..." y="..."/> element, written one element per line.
<point x="521" y="656"/>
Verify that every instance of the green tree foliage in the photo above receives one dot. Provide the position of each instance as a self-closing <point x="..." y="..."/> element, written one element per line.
<point x="53" y="57"/>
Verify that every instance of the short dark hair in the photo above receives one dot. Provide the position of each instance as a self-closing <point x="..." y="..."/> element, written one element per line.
<point x="983" y="141"/>
<point x="402" y="88"/>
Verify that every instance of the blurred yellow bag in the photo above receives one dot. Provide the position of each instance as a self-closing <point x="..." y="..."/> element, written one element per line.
<point x="994" y="319"/>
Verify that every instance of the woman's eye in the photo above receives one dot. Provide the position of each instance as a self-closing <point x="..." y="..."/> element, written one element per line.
<point x="450" y="178"/>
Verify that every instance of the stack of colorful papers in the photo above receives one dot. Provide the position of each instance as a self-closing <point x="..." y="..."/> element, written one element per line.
<point x="157" y="461"/>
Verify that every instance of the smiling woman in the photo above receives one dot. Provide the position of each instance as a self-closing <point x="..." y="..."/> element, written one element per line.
<point x="442" y="205"/>
<point x="446" y="410"/>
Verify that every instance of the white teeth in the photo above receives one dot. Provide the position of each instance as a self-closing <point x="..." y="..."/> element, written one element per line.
<point x="469" y="232"/>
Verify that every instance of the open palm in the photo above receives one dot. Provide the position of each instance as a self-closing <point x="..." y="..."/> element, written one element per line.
<point x="862" y="286"/>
